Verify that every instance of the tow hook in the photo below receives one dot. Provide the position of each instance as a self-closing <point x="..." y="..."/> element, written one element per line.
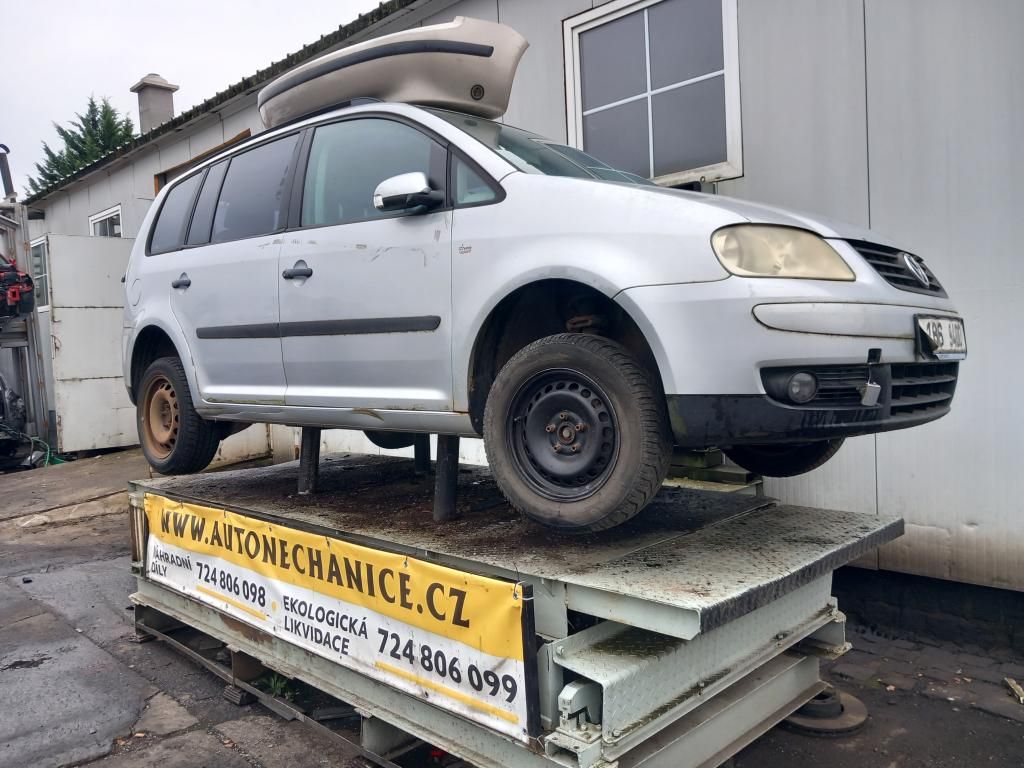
<point x="872" y="390"/>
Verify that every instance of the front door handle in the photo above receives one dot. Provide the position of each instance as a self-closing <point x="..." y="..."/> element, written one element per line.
<point x="294" y="272"/>
<point x="181" y="282"/>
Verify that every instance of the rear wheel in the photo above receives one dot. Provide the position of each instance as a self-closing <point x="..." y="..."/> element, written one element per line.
<point x="784" y="459"/>
<point x="576" y="432"/>
<point x="174" y="438"/>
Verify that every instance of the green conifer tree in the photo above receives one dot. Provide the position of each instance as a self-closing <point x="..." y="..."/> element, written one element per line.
<point x="86" y="139"/>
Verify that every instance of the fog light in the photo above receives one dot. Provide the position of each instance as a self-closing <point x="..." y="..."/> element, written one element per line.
<point x="802" y="387"/>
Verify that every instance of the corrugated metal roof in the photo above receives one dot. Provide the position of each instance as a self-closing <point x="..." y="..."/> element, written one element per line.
<point x="242" y="87"/>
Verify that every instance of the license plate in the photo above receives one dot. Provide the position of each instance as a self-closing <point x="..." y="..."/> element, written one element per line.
<point x="941" y="338"/>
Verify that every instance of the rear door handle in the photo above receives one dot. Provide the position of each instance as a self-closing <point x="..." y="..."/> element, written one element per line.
<point x="181" y="282"/>
<point x="294" y="272"/>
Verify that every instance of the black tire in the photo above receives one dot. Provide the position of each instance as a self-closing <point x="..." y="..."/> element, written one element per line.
<point x="623" y="447"/>
<point x="784" y="459"/>
<point x="174" y="438"/>
<point x="390" y="440"/>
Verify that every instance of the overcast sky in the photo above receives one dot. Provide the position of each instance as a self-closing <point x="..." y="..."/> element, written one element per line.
<point x="57" y="53"/>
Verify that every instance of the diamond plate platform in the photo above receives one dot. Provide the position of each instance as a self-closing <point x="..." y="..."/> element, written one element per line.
<point x="691" y="561"/>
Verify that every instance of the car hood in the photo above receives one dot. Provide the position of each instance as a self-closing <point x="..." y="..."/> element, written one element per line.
<point x="768" y="214"/>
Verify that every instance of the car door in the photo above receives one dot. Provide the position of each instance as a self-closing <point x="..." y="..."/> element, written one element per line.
<point x="365" y="296"/>
<point x="225" y="279"/>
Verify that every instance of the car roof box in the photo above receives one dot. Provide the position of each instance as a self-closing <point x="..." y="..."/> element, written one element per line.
<point x="465" y="65"/>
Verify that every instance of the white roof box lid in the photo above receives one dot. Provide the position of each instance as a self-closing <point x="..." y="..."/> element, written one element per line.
<point x="466" y="65"/>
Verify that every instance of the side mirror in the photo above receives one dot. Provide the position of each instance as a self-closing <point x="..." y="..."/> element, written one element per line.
<point x="408" y="192"/>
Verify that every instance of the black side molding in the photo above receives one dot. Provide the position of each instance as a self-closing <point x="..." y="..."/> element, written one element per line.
<point x="286" y="83"/>
<point x="357" y="326"/>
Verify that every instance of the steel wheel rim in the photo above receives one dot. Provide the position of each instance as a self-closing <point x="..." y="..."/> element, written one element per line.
<point x="160" y="417"/>
<point x="562" y="432"/>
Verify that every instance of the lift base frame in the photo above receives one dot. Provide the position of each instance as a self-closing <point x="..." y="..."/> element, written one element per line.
<point x="676" y="639"/>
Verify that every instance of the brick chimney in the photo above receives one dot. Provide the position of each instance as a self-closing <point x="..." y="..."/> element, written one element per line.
<point x="156" y="102"/>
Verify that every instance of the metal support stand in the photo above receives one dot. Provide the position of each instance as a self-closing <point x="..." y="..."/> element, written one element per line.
<point x="421" y="446"/>
<point x="446" y="484"/>
<point x="309" y="460"/>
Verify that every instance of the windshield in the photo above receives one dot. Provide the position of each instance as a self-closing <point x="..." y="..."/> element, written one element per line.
<point x="531" y="153"/>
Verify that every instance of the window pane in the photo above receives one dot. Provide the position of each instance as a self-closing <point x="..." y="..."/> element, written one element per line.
<point x="612" y="61"/>
<point x="253" y="193"/>
<point x="686" y="40"/>
<point x="689" y="127"/>
<point x="169" y="230"/>
<point x="470" y="187"/>
<point x="618" y="136"/>
<point x="349" y="159"/>
<point x="202" y="218"/>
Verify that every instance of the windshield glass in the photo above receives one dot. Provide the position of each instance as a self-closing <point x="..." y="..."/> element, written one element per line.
<point x="531" y="153"/>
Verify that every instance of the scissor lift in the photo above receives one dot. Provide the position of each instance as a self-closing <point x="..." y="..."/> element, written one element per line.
<point x="675" y="639"/>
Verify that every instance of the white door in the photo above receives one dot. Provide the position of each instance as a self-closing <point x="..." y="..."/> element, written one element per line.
<point x="366" y="296"/>
<point x="86" y="299"/>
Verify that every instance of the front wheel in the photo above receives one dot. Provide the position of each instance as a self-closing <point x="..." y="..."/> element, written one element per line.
<point x="174" y="438"/>
<point x="576" y="433"/>
<point x="784" y="459"/>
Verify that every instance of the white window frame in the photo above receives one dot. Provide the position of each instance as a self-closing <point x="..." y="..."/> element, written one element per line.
<point x="42" y="302"/>
<point x="108" y="213"/>
<point x="573" y="27"/>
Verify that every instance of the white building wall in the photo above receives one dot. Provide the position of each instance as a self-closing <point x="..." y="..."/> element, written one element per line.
<point x="945" y="164"/>
<point x="858" y="110"/>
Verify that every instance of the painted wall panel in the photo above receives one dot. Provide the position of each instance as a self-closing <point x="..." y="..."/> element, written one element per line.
<point x="477" y="9"/>
<point x="206" y="138"/>
<point x="100" y="197"/>
<point x="802" y="102"/>
<point x="93" y="409"/>
<point x="538" y="93"/>
<point x="172" y="154"/>
<point x="237" y="119"/>
<point x="946" y="160"/>
<point x="74" y="219"/>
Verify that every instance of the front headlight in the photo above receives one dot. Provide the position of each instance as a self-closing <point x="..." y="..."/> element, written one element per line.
<point x="764" y="250"/>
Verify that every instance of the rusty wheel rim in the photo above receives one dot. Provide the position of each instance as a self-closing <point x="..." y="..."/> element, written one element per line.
<point x="160" y="417"/>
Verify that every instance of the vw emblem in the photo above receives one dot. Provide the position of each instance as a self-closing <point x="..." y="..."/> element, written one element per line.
<point x="916" y="269"/>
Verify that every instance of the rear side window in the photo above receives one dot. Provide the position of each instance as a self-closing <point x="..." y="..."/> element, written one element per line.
<point x="171" y="222"/>
<point x="252" y="198"/>
<point x="349" y="159"/>
<point x="202" y="218"/>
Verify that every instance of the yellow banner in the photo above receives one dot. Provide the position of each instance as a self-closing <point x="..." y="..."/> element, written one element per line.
<point x="480" y="612"/>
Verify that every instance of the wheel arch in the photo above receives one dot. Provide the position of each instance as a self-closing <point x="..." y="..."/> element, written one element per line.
<point x="542" y="307"/>
<point x="150" y="343"/>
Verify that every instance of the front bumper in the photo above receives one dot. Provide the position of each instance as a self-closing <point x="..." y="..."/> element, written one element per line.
<point x="718" y="337"/>
<point x="910" y="395"/>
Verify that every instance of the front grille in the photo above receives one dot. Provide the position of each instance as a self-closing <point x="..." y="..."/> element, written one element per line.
<point x="839" y="385"/>
<point x="918" y="388"/>
<point x="890" y="264"/>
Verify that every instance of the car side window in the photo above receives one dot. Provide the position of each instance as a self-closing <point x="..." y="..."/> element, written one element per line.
<point x="202" y="217"/>
<point x="470" y="188"/>
<point x="171" y="222"/>
<point x="348" y="159"/>
<point x="253" y="194"/>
